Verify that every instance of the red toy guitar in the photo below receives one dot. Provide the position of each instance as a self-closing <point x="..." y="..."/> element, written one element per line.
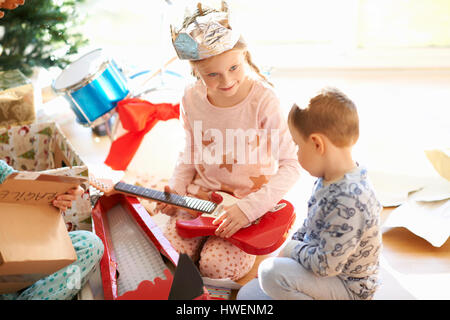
<point x="263" y="236"/>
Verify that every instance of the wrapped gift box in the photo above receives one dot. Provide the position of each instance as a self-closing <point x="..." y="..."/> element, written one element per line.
<point x="43" y="147"/>
<point x="16" y="99"/>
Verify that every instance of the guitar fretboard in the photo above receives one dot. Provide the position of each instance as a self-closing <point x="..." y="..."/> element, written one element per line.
<point x="169" y="198"/>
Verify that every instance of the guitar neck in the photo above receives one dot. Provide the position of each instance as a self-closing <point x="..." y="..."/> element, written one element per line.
<point x="190" y="203"/>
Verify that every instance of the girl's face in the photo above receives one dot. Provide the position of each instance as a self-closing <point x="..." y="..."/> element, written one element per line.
<point x="224" y="75"/>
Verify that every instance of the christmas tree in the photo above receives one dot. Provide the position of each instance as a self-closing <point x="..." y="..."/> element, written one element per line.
<point x="40" y="33"/>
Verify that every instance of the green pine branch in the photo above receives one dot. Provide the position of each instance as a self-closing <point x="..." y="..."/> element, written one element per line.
<point x="40" y="33"/>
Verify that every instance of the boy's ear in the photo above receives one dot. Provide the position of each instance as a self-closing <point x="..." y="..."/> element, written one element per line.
<point x="319" y="143"/>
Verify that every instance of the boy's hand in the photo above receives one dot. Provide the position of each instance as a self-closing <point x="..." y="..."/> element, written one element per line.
<point x="231" y="221"/>
<point x="164" y="207"/>
<point x="64" y="201"/>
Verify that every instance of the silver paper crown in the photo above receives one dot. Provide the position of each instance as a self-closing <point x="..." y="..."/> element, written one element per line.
<point x="204" y="35"/>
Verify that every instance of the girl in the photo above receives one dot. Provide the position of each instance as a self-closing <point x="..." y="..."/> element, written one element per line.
<point x="65" y="283"/>
<point x="236" y="141"/>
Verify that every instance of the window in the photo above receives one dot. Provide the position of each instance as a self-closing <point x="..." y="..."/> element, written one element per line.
<point x="308" y="33"/>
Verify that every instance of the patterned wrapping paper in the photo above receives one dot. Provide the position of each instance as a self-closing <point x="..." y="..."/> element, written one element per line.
<point x="42" y="147"/>
<point x="218" y="293"/>
<point x="16" y="99"/>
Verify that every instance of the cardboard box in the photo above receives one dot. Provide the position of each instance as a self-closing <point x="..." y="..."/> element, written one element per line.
<point x="17" y="102"/>
<point x="132" y="266"/>
<point x="43" y="147"/>
<point x="34" y="241"/>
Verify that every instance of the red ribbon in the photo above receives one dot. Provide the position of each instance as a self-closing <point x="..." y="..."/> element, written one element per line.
<point x="138" y="117"/>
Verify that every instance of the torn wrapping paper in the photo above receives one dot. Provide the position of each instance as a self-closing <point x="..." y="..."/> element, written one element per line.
<point x="429" y="220"/>
<point x="440" y="159"/>
<point x="424" y="202"/>
<point x="394" y="189"/>
<point x="438" y="190"/>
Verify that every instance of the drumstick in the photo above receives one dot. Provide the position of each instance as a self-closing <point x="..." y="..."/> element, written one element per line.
<point x="159" y="70"/>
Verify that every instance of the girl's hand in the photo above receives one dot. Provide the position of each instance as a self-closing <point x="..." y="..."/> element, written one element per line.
<point x="231" y="220"/>
<point x="164" y="207"/>
<point x="170" y="210"/>
<point x="64" y="201"/>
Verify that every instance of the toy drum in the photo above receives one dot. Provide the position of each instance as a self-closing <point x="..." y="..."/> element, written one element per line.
<point x="93" y="85"/>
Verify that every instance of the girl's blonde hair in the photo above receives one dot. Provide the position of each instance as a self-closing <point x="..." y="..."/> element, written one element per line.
<point x="240" y="45"/>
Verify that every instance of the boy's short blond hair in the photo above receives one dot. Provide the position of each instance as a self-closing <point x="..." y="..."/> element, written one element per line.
<point x="330" y="113"/>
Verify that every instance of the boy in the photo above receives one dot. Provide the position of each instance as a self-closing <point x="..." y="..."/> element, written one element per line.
<point x="335" y="254"/>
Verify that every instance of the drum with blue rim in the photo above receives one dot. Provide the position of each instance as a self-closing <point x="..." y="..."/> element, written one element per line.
<point x="93" y="85"/>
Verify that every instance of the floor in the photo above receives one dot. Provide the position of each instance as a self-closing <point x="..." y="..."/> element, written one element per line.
<point x="402" y="113"/>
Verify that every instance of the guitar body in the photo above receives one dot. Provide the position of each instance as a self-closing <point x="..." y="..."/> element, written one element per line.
<point x="263" y="236"/>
